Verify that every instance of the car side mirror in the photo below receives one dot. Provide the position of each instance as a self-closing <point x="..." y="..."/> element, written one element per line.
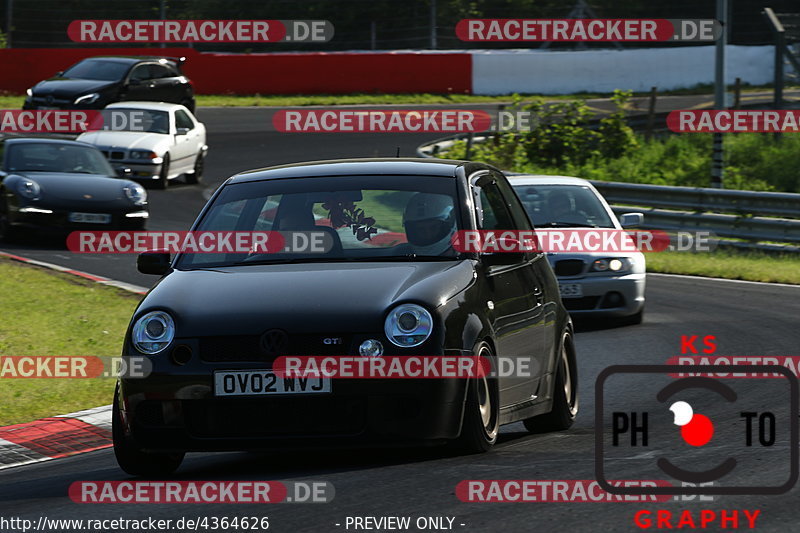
<point x="59" y="73"/>
<point x="134" y="82"/>
<point x="182" y="131"/>
<point x="631" y="220"/>
<point x="153" y="262"/>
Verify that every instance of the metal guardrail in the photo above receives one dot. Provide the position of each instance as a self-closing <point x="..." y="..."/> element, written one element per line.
<point x="749" y="216"/>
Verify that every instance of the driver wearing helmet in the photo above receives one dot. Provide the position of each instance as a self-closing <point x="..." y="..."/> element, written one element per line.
<point x="429" y="221"/>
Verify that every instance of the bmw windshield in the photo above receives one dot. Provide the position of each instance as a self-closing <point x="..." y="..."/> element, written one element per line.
<point x="360" y="218"/>
<point x="561" y="206"/>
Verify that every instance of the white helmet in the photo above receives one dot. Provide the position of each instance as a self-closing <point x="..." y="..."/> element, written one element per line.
<point x="429" y="221"/>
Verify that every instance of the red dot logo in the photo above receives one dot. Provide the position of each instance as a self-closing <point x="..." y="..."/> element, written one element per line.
<point x="696" y="429"/>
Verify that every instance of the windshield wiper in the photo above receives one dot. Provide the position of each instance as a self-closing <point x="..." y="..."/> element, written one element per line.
<point x="567" y="225"/>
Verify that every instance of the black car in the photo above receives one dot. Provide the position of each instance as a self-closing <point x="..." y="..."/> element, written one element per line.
<point x="58" y="184"/>
<point x="95" y="82"/>
<point x="391" y="284"/>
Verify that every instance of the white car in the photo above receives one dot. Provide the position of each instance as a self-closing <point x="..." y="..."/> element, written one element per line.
<point x="591" y="283"/>
<point x="156" y="141"/>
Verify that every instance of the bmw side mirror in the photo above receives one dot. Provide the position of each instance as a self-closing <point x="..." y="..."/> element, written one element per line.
<point x="153" y="262"/>
<point x="631" y="220"/>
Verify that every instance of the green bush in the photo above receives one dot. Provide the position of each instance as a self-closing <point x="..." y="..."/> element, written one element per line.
<point x="613" y="152"/>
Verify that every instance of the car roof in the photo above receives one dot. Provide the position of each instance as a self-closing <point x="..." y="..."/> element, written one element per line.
<point x="43" y="140"/>
<point x="149" y="106"/>
<point x="541" y="179"/>
<point x="130" y="59"/>
<point x="355" y="167"/>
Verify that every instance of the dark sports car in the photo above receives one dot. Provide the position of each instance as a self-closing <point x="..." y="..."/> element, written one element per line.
<point x="57" y="184"/>
<point x="95" y="82"/>
<point x="391" y="284"/>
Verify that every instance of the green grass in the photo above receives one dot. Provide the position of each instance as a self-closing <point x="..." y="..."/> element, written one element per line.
<point x="751" y="266"/>
<point x="49" y="313"/>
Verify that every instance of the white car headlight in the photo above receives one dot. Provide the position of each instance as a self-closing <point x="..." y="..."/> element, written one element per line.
<point x="29" y="92"/>
<point x="29" y="189"/>
<point x="153" y="332"/>
<point x="142" y="154"/>
<point x="87" y="98"/>
<point x="408" y="325"/>
<point x="612" y="264"/>
<point x="135" y="193"/>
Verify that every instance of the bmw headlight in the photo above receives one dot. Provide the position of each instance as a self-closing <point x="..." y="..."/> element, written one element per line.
<point x="29" y="189"/>
<point x="408" y="325"/>
<point x="612" y="264"/>
<point x="153" y="332"/>
<point x="142" y="154"/>
<point x="87" y="98"/>
<point x="135" y="193"/>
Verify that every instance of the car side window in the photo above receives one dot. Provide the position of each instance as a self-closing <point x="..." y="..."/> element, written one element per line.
<point x="495" y="213"/>
<point x="140" y="73"/>
<point x="518" y="213"/>
<point x="160" y="71"/>
<point x="182" y="120"/>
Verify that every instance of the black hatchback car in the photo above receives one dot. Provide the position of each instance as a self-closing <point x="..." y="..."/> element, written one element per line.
<point x="391" y="284"/>
<point x="95" y="82"/>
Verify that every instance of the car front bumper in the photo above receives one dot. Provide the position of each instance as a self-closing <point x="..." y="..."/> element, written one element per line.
<point x="43" y="218"/>
<point x="175" y="409"/>
<point x="610" y="296"/>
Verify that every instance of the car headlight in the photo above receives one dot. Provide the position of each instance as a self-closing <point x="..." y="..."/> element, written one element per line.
<point x="142" y="154"/>
<point x="135" y="193"/>
<point x="29" y="92"/>
<point x="29" y="189"/>
<point x="408" y="325"/>
<point x="612" y="264"/>
<point x="153" y="332"/>
<point x="87" y="98"/>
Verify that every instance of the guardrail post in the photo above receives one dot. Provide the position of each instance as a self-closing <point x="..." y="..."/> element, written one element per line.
<point x="651" y="113"/>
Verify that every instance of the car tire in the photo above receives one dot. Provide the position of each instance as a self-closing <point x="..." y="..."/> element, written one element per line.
<point x="481" y="422"/>
<point x="133" y="460"/>
<point x="197" y="175"/>
<point x="565" y="393"/>
<point x="8" y="233"/>
<point x="163" y="176"/>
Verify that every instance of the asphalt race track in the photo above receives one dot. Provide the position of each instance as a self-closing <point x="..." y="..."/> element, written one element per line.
<point x="745" y="318"/>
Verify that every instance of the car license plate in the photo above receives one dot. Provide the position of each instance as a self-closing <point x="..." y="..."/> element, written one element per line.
<point x="90" y="218"/>
<point x="265" y="382"/>
<point x="571" y="290"/>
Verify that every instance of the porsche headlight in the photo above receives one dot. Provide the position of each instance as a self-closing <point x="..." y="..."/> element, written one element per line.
<point x="29" y="189"/>
<point x="135" y="193"/>
<point x="408" y="325"/>
<point x="29" y="92"/>
<point x="87" y="98"/>
<point x="153" y="332"/>
<point x="612" y="264"/>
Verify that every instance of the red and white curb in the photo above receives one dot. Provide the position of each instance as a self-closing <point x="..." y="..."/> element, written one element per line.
<point x="98" y="279"/>
<point x="62" y="435"/>
<point x="55" y="437"/>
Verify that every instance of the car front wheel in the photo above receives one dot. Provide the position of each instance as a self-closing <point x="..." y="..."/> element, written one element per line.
<point x="133" y="460"/>
<point x="565" y="393"/>
<point x="197" y="175"/>
<point x="163" y="176"/>
<point x="481" y="422"/>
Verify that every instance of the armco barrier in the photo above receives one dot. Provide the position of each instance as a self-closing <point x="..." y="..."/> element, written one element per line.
<point x="278" y="73"/>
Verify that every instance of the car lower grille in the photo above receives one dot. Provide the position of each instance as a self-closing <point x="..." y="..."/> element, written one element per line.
<point x="249" y="348"/>
<point x="265" y="417"/>
<point x="568" y="267"/>
<point x="45" y="101"/>
<point x="581" y="304"/>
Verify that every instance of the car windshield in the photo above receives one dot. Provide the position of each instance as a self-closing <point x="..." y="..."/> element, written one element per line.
<point x="56" y="157"/>
<point x="563" y="206"/>
<point x="97" y="69"/>
<point x="147" y="120"/>
<point x="365" y="218"/>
